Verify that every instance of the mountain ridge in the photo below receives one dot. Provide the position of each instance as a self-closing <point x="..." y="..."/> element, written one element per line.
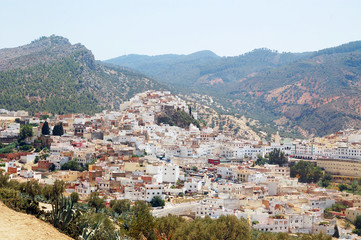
<point x="51" y="74"/>
<point x="199" y="67"/>
<point x="312" y="93"/>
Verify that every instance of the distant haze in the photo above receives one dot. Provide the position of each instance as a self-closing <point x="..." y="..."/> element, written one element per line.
<point x="228" y="28"/>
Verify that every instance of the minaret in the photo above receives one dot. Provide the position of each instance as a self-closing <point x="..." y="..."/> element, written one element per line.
<point x="277" y="138"/>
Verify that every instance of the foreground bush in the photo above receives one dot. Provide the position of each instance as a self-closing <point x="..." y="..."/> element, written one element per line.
<point x="12" y="199"/>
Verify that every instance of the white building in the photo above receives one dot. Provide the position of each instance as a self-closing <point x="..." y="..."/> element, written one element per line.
<point x="170" y="173"/>
<point x="193" y="186"/>
<point x="153" y="190"/>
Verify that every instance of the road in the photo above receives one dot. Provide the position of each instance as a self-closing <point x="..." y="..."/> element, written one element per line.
<point x="176" y="209"/>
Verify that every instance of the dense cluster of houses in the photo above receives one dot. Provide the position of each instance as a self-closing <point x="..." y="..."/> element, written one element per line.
<point x="125" y="154"/>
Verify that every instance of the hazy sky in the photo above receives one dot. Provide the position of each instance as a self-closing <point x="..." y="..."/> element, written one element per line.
<point x="227" y="27"/>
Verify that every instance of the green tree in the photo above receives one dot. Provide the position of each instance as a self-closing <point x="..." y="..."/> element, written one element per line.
<point x="342" y="187"/>
<point x="338" y="207"/>
<point x="326" y="180"/>
<point x="54" y="192"/>
<point x="58" y="189"/>
<point x="277" y="157"/>
<point x="316" y="174"/>
<point x="168" y="225"/>
<point x="47" y="191"/>
<point x="11" y="198"/>
<point x="120" y="206"/>
<point x="52" y="167"/>
<point x="194" y="230"/>
<point x="320" y="236"/>
<point x="269" y="236"/>
<point x="31" y="188"/>
<point x="336" y="234"/>
<point x="45" y="130"/>
<point x="357" y="222"/>
<point x="225" y="227"/>
<point x="95" y="201"/>
<point x="261" y="160"/>
<point x="354" y="186"/>
<point x="74" y="196"/>
<point x="58" y="129"/>
<point x="229" y="227"/>
<point x="157" y="202"/>
<point x="142" y="222"/>
<point x="357" y="231"/>
<point x="71" y="165"/>
<point x="25" y="132"/>
<point x="306" y="172"/>
<point x="4" y="179"/>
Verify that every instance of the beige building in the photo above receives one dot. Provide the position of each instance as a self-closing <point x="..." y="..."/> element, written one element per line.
<point x="352" y="213"/>
<point x="342" y="170"/>
<point x="133" y="166"/>
<point x="242" y="175"/>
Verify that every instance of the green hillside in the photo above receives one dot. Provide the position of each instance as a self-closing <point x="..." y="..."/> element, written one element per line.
<point x="52" y="75"/>
<point x="312" y="93"/>
<point x="200" y="68"/>
<point x="320" y="95"/>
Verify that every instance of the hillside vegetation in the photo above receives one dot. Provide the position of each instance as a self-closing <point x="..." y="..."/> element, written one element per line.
<point x="50" y="74"/>
<point x="320" y="95"/>
<point x="177" y="118"/>
<point x="299" y="94"/>
<point x="205" y="67"/>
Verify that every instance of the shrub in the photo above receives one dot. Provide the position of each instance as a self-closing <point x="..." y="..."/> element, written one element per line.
<point x="11" y="198"/>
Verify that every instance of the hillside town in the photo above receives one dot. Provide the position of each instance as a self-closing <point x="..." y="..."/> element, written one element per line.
<point x="198" y="172"/>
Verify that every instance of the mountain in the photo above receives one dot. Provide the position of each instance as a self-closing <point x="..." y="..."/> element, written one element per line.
<point x="50" y="74"/>
<point x="203" y="68"/>
<point x="170" y="68"/>
<point x="320" y="94"/>
<point x="308" y="94"/>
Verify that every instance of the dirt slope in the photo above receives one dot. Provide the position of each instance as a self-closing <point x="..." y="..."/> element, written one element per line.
<point x="15" y="225"/>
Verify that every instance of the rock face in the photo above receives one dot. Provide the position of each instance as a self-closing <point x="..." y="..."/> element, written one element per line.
<point x="19" y="226"/>
<point x="50" y="74"/>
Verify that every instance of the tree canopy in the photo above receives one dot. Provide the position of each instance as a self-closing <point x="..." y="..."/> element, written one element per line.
<point x="157" y="202"/>
<point x="58" y="129"/>
<point x="142" y="221"/>
<point x="277" y="157"/>
<point x="357" y="224"/>
<point x="95" y="201"/>
<point x="25" y="132"/>
<point x="45" y="130"/>
<point x="120" y="206"/>
<point x="306" y="172"/>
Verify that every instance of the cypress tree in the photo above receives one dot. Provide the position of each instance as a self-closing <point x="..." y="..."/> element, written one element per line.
<point x="45" y="130"/>
<point x="58" y="129"/>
